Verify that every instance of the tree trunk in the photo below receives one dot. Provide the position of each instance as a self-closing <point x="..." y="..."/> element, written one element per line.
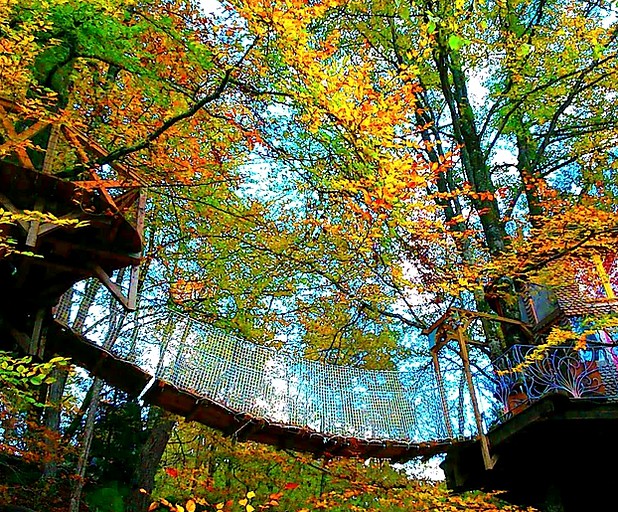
<point x="76" y="491"/>
<point x="162" y="425"/>
<point x="52" y="413"/>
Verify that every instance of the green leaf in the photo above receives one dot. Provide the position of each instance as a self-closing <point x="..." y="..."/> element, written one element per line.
<point x="455" y="42"/>
<point x="524" y="50"/>
<point x="431" y="27"/>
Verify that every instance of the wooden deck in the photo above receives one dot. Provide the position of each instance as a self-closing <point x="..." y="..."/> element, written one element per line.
<point x="556" y="454"/>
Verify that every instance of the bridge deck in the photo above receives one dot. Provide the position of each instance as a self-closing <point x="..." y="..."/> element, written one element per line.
<point x="134" y="380"/>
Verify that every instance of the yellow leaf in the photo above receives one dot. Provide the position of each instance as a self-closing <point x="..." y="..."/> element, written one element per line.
<point x="179" y="508"/>
<point x="250" y="494"/>
<point x="143" y="491"/>
<point x="244" y="501"/>
<point x="220" y="506"/>
<point x="190" y="506"/>
<point x="153" y="506"/>
<point x="250" y="508"/>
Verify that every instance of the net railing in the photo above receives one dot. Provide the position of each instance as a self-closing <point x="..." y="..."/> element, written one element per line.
<point x="270" y="384"/>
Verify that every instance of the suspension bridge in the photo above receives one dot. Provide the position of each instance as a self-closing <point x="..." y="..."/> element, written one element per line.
<point x="254" y="392"/>
<point x="272" y="396"/>
<point x="246" y="390"/>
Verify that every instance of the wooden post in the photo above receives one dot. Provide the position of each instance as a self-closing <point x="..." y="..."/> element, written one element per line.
<point x="37" y="340"/>
<point x="488" y="460"/>
<point x="447" y="418"/>
<point x="134" y="278"/>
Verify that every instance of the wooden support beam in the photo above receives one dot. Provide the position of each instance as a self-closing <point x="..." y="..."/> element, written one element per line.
<point x="115" y="290"/>
<point x="50" y="153"/>
<point x="442" y="392"/>
<point x="6" y="203"/>
<point x="37" y="340"/>
<point x="135" y="270"/>
<point x="128" y="198"/>
<point x="98" y="150"/>
<point x="33" y="230"/>
<point x="497" y="318"/>
<point x="103" y="189"/>
<point x="102" y="183"/>
<point x="48" y="226"/>
<point x="488" y="460"/>
<point x="16" y="140"/>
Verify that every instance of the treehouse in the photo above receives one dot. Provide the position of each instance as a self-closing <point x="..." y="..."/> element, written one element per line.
<point x="584" y="364"/>
<point x="55" y="231"/>
<point x="552" y="405"/>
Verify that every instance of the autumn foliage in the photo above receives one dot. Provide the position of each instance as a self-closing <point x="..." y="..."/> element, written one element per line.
<point x="219" y="474"/>
<point x="330" y="175"/>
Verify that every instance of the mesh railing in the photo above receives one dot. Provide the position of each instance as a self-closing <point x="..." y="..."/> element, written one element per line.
<point x="271" y="384"/>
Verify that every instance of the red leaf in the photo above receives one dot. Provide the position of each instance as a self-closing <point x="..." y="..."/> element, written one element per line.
<point x="290" y="485"/>
<point x="173" y="472"/>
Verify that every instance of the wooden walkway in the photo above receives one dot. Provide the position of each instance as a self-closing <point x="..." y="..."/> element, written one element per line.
<point x="137" y="383"/>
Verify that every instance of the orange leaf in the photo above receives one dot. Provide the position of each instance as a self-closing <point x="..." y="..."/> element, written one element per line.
<point x="290" y="485"/>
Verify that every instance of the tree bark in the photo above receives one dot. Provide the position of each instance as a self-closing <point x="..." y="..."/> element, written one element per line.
<point x="76" y="491"/>
<point x="162" y="425"/>
<point x="52" y="413"/>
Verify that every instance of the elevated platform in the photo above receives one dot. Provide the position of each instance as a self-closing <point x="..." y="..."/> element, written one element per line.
<point x="48" y="258"/>
<point x="552" y="455"/>
<point x="60" y="233"/>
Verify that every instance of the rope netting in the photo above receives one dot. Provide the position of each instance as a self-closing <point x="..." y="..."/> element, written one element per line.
<point x="270" y="384"/>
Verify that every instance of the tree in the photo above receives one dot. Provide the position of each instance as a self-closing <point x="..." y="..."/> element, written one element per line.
<point x="26" y="447"/>
<point x="404" y="159"/>
<point x="420" y="184"/>
<point x="134" y="78"/>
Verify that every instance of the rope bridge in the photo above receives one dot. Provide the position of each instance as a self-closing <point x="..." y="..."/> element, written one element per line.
<point x="336" y="409"/>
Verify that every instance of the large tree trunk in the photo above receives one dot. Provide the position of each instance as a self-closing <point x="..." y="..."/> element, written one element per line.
<point x="162" y="425"/>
